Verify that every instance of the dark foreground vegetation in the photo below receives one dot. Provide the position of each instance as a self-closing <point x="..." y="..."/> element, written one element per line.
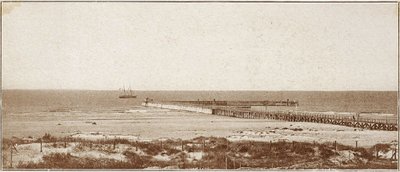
<point x="216" y="153"/>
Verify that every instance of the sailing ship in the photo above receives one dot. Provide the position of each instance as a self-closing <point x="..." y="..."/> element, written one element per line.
<point x="127" y="94"/>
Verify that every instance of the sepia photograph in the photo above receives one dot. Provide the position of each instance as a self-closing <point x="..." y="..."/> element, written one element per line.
<point x="199" y="85"/>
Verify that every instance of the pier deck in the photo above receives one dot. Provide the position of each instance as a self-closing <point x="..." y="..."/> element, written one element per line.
<point x="293" y="116"/>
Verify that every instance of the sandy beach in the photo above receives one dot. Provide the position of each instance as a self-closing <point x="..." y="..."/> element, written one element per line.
<point x="152" y="123"/>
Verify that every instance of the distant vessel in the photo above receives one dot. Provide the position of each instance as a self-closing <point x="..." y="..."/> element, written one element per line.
<point x="127" y="94"/>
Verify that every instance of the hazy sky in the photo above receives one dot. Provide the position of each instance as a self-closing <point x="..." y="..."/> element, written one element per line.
<point x="200" y="46"/>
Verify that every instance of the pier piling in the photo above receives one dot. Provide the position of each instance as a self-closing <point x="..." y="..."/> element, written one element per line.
<point x="308" y="117"/>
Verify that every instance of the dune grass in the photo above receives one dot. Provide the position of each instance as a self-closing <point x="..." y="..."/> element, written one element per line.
<point x="217" y="153"/>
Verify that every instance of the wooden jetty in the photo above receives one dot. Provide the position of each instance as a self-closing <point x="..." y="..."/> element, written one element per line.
<point x="372" y="124"/>
<point x="292" y="116"/>
<point x="286" y="102"/>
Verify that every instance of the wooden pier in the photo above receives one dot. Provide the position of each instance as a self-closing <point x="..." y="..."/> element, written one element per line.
<point x="292" y="116"/>
<point x="372" y="124"/>
<point x="286" y="102"/>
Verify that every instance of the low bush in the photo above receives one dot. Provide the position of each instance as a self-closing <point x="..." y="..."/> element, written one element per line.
<point x="219" y="154"/>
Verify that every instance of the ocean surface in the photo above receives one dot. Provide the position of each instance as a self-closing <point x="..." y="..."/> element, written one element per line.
<point x="25" y="101"/>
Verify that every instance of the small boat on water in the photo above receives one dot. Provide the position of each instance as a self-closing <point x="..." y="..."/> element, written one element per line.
<point x="128" y="94"/>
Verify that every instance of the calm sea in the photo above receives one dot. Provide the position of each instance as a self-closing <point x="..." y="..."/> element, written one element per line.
<point x="15" y="101"/>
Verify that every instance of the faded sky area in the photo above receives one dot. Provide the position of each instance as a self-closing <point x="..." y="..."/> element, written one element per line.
<point x="200" y="46"/>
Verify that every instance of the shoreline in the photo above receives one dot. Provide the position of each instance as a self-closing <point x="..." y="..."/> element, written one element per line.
<point x="154" y="123"/>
